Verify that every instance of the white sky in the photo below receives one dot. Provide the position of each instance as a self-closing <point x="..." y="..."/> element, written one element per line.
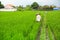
<point x="29" y="2"/>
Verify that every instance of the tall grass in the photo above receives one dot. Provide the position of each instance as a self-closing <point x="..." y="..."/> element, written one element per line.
<point x="53" y="21"/>
<point x="18" y="25"/>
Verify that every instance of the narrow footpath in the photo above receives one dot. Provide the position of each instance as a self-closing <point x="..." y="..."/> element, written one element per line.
<point x="45" y="33"/>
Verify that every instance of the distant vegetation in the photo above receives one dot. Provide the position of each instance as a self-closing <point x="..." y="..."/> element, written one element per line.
<point x="36" y="6"/>
<point x="22" y="25"/>
<point x="1" y="5"/>
<point x="18" y="25"/>
<point x="33" y="6"/>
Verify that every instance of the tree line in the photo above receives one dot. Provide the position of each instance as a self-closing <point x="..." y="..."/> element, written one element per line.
<point x="36" y="6"/>
<point x="33" y="6"/>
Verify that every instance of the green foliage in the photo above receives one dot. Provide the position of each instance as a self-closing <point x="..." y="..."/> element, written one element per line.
<point x="22" y="25"/>
<point x="1" y="5"/>
<point x="53" y="20"/>
<point x="35" y="5"/>
<point x="51" y="7"/>
<point x="28" y="7"/>
<point x="20" y="8"/>
<point x="0" y="2"/>
<point x="45" y="7"/>
<point x="18" y="25"/>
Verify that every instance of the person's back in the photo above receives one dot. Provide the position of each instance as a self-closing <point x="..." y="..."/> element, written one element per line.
<point x="38" y="17"/>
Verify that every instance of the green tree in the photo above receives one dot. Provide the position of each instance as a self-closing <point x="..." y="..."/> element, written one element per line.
<point x="0" y="2"/>
<point x="40" y="8"/>
<point x="51" y="7"/>
<point x="1" y="5"/>
<point x="28" y="7"/>
<point x="46" y="7"/>
<point x="19" y="8"/>
<point x="35" y="5"/>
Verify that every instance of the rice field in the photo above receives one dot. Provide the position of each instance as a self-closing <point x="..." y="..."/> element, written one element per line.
<point x="22" y="25"/>
<point x="53" y="21"/>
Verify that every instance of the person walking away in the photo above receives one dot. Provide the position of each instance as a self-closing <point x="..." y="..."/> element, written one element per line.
<point x="38" y="17"/>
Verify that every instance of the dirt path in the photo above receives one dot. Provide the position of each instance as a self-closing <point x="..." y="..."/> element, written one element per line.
<point x="47" y="37"/>
<point x="38" y="34"/>
<point x="43" y="31"/>
<point x="40" y="30"/>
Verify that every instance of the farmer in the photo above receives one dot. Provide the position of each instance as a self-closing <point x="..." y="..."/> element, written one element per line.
<point x="38" y="17"/>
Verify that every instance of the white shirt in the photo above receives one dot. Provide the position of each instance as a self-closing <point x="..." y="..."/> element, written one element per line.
<point x="38" y="18"/>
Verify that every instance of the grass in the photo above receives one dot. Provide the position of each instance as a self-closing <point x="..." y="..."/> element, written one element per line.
<point x="21" y="25"/>
<point x="53" y="21"/>
<point x="43" y="26"/>
<point x="18" y="25"/>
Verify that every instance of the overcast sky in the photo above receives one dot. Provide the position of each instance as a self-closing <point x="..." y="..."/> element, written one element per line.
<point x="29" y="2"/>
